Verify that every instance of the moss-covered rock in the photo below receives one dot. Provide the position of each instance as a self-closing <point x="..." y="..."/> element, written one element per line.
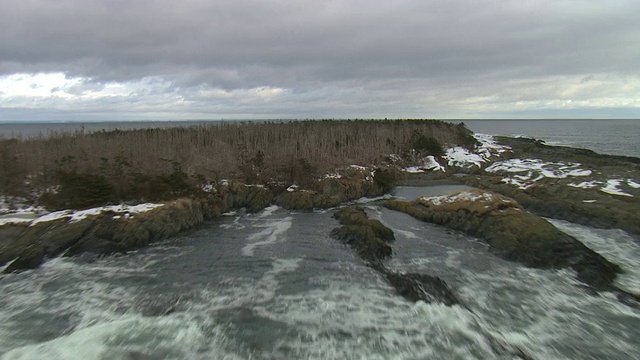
<point x="582" y="199"/>
<point x="106" y="234"/>
<point x="368" y="237"/>
<point x="512" y="233"/>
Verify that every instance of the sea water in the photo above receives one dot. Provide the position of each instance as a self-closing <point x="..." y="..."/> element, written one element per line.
<point x="274" y="285"/>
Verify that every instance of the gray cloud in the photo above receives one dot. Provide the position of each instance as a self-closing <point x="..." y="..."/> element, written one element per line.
<point x="365" y="51"/>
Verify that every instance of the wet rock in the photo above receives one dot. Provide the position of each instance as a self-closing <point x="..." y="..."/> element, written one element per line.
<point x="420" y="287"/>
<point x="513" y="233"/>
<point x="30" y="258"/>
<point x="368" y="237"/>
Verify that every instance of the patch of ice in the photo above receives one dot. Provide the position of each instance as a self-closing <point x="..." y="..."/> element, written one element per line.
<point x="611" y="187"/>
<point x="588" y="201"/>
<point x="358" y="167"/>
<point x="293" y="187"/>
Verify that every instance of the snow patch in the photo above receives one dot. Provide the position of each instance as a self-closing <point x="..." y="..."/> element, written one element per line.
<point x="633" y="184"/>
<point x="487" y="148"/>
<point x="529" y="171"/>
<point x="461" y="157"/>
<point x="611" y="187"/>
<point x="429" y="163"/>
<point x="585" y="184"/>
<point x="124" y="211"/>
<point x="461" y="196"/>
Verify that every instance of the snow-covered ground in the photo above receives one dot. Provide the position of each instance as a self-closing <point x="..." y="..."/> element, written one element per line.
<point x="463" y="158"/>
<point x="119" y="211"/>
<point x="611" y="186"/>
<point x="429" y="163"/>
<point x="524" y="173"/>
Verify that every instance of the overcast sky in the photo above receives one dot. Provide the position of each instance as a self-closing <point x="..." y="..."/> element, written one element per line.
<point x="199" y="59"/>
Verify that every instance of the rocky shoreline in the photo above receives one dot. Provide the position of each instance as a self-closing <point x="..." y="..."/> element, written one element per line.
<point x="565" y="183"/>
<point x="26" y="245"/>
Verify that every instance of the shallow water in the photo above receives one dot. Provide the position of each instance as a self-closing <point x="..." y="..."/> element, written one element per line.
<point x="274" y="285"/>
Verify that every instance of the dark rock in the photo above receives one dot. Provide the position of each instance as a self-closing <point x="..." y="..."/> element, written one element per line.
<point x="368" y="237"/>
<point x="30" y="258"/>
<point x="420" y="287"/>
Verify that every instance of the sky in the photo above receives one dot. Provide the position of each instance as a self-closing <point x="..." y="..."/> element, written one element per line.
<point x="85" y="60"/>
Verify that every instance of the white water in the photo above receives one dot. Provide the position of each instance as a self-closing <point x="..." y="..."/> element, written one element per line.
<point x="301" y="294"/>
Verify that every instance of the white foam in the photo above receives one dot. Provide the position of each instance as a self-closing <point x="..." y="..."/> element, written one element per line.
<point x="268" y="211"/>
<point x="377" y="325"/>
<point x="273" y="232"/>
<point x="615" y="245"/>
<point x="408" y="234"/>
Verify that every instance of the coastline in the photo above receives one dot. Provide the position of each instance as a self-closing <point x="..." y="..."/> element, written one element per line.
<point x="546" y="187"/>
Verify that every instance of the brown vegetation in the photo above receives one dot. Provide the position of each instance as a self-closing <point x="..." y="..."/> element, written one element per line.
<point x="163" y="163"/>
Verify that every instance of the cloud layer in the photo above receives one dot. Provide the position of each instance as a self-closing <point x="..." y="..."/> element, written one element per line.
<point x="288" y="58"/>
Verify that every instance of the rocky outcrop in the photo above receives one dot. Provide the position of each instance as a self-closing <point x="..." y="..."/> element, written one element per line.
<point x="514" y="234"/>
<point x="371" y="239"/>
<point x="25" y="246"/>
<point x="415" y="287"/>
<point x="367" y="237"/>
<point x="585" y="199"/>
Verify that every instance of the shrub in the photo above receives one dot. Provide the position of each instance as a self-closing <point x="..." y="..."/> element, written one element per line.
<point x="385" y="178"/>
<point x="427" y="145"/>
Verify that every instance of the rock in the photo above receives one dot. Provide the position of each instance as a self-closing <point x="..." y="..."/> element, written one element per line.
<point x="30" y="258"/>
<point x="513" y="233"/>
<point x="102" y="234"/>
<point x="420" y="287"/>
<point x="368" y="237"/>
<point x="560" y="197"/>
